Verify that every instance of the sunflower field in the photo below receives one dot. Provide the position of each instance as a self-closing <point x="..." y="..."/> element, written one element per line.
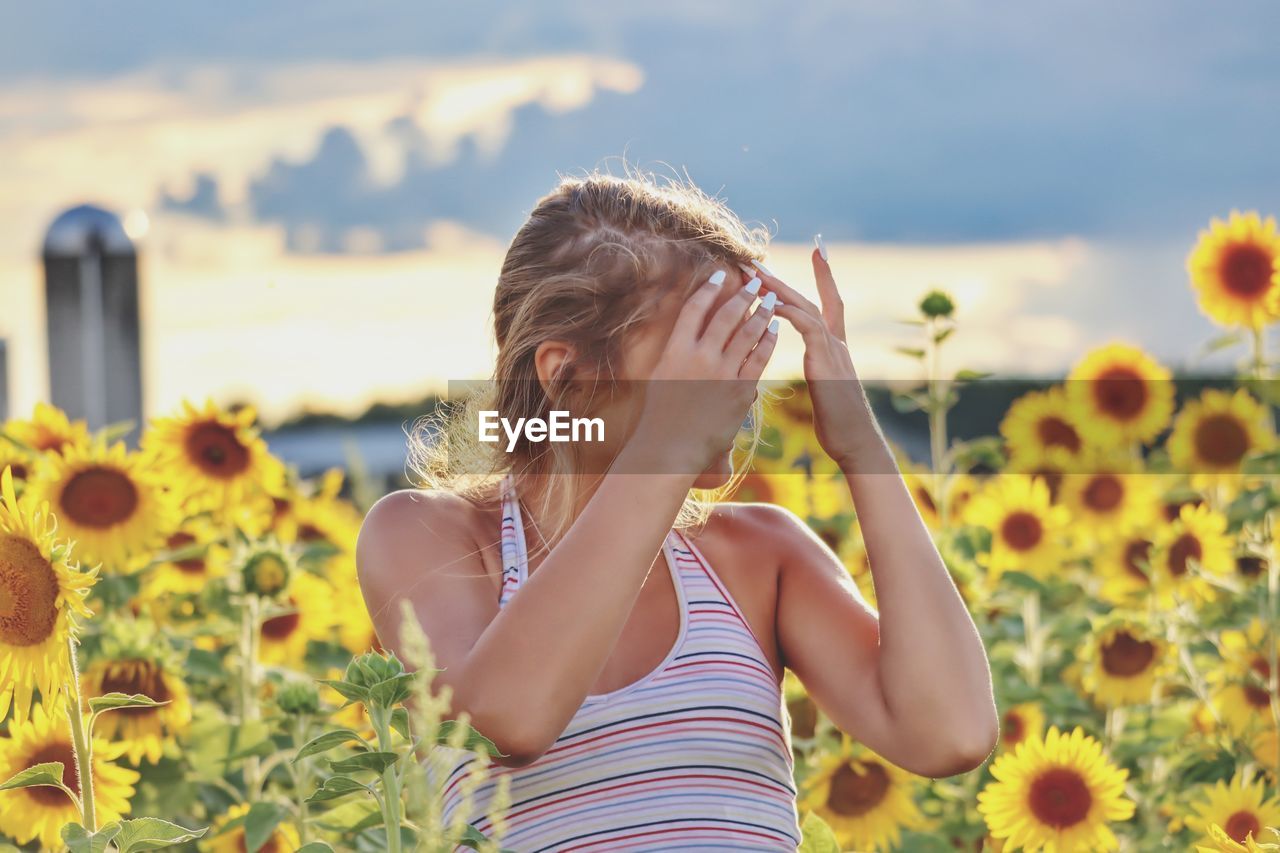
<point x="186" y="661"/>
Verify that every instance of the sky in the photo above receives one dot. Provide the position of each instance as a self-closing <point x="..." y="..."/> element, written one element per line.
<point x="322" y="193"/>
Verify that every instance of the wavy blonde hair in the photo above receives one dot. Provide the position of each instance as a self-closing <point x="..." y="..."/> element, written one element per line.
<point x="588" y="267"/>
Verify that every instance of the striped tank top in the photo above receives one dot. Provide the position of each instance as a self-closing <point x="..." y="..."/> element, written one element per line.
<point x="696" y="755"/>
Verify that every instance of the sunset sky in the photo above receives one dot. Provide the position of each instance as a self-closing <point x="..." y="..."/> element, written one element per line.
<point x="323" y="191"/>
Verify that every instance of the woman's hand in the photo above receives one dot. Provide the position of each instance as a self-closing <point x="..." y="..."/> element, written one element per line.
<point x="842" y="416"/>
<point x="704" y="382"/>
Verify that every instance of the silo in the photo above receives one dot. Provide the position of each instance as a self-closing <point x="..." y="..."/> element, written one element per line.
<point x="91" y="299"/>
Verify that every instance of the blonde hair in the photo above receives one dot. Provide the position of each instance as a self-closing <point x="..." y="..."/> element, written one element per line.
<point x="588" y="267"/>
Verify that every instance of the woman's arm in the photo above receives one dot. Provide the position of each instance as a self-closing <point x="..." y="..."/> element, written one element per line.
<point x="523" y="671"/>
<point x="914" y="683"/>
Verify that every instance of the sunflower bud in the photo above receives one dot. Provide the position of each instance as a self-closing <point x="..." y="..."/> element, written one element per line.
<point x="937" y="304"/>
<point x="299" y="697"/>
<point x="266" y="573"/>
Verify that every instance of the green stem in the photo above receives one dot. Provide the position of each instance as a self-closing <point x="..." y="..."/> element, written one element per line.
<point x="381" y="719"/>
<point x="1031" y="635"/>
<point x="82" y="740"/>
<point x="1273" y="635"/>
<point x="301" y="778"/>
<point x="249" y="709"/>
<point x="937" y="419"/>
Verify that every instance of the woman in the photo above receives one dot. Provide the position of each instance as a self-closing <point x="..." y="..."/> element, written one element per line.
<point x="639" y="707"/>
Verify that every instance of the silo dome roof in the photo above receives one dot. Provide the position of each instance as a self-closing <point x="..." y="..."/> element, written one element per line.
<point x="72" y="232"/>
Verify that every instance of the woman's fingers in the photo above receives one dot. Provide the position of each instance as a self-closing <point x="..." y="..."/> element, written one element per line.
<point x="729" y="316"/>
<point x="748" y="334"/>
<point x="811" y="328"/>
<point x="832" y="303"/>
<point x="787" y="293"/>
<point x="694" y="310"/>
<point x="753" y="365"/>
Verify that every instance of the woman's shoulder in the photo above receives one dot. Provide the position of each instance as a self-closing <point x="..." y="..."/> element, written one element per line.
<point x="755" y="525"/>
<point x="417" y="525"/>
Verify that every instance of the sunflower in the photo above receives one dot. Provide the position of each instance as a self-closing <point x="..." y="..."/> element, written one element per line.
<point x="144" y="732"/>
<point x="41" y="597"/>
<point x="781" y="488"/>
<point x="1241" y="808"/>
<point x="284" y="838"/>
<point x="1224" y="843"/>
<point x="853" y="554"/>
<point x="1039" y="421"/>
<point x="190" y="574"/>
<point x="1123" y="566"/>
<point x="1109" y="492"/>
<point x="1235" y="270"/>
<point x="107" y="501"/>
<point x="1121" y="395"/>
<point x="1056" y="793"/>
<point x="1026" y="530"/>
<point x="1022" y="721"/>
<point x="960" y="489"/>
<point x="23" y="462"/>
<point x="49" y="429"/>
<point x="355" y="628"/>
<point x="1052" y="466"/>
<point x="1241" y="685"/>
<point x="1198" y="536"/>
<point x="219" y="456"/>
<point x="1211" y="436"/>
<point x="802" y="712"/>
<point x="920" y="486"/>
<point x="40" y="812"/>
<point x="866" y="800"/>
<point x="1123" y="659"/>
<point x="791" y="411"/>
<point x="308" y="615"/>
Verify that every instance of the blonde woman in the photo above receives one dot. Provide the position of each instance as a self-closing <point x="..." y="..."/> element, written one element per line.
<point x="618" y="633"/>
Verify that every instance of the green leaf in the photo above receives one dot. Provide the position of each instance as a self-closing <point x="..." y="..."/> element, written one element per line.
<point x="943" y="335"/>
<point x="335" y="787"/>
<point x="152" y="833"/>
<point x="48" y="773"/>
<point x="472" y="837"/>
<point x="259" y="824"/>
<point x="326" y="742"/>
<point x="392" y="690"/>
<point x="966" y="375"/>
<point x="350" y="816"/>
<point x="315" y="847"/>
<point x="911" y="352"/>
<point x="908" y="402"/>
<point x="354" y="692"/>
<point x="375" y="761"/>
<point x="78" y="839"/>
<point x="400" y="722"/>
<point x="817" y="835"/>
<point x="474" y="738"/>
<point x="112" y="701"/>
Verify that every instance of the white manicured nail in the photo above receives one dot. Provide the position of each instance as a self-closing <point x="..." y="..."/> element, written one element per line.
<point x="746" y="269"/>
<point x="773" y="326"/>
<point x="768" y="302"/>
<point x="717" y="277"/>
<point x="762" y="268"/>
<point x="753" y="286"/>
<point x="822" y="249"/>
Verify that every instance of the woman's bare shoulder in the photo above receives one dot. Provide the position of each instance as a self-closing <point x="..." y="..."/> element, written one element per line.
<point x="409" y="529"/>
<point x="755" y="527"/>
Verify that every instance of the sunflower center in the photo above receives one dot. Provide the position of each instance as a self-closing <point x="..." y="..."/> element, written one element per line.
<point x="55" y="751"/>
<point x="19" y="470"/>
<point x="282" y="626"/>
<point x="1136" y="554"/>
<point x="1022" y="531"/>
<point x="216" y="450"/>
<point x="925" y="499"/>
<point x="269" y="574"/>
<point x="28" y="593"/>
<point x="310" y="533"/>
<point x="1052" y="479"/>
<point x="99" y="497"/>
<point x="1246" y="270"/>
<point x="1060" y="798"/>
<point x="1120" y="393"/>
<point x="1259" y="697"/>
<point x="1240" y="824"/>
<point x="191" y="565"/>
<point x="1055" y="432"/>
<point x="1126" y="656"/>
<point x="1221" y="440"/>
<point x="136" y="676"/>
<point x="853" y="793"/>
<point x="1013" y="727"/>
<point x="804" y="716"/>
<point x="1249" y="566"/>
<point x="1104" y="493"/>
<point x="1185" y="548"/>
